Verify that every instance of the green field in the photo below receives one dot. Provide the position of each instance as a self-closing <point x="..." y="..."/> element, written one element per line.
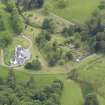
<point x="41" y="79"/>
<point x="101" y="100"/>
<point x="91" y="70"/>
<point x="76" y="10"/>
<point x="72" y="94"/>
<point x="72" y="91"/>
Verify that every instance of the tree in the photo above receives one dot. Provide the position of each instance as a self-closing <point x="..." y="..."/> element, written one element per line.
<point x="73" y="74"/>
<point x="39" y="3"/>
<point x="30" y="4"/>
<point x="5" y="1"/>
<point x="48" y="25"/>
<point x="58" y="84"/>
<point x="91" y="99"/>
<point x="17" y="21"/>
<point x="61" y="3"/>
<point x="68" y="31"/>
<point x="10" y="6"/>
<point x="1" y="81"/>
<point x="5" y="39"/>
<point x="68" y="56"/>
<point x="102" y="5"/>
<point x="11" y="79"/>
<point x="2" y="26"/>
<point x="42" y="39"/>
<point x="31" y="82"/>
<point x="34" y="65"/>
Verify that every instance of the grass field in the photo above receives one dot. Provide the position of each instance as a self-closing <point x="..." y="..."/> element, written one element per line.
<point x="77" y="10"/>
<point x="92" y="70"/>
<point x="41" y="79"/>
<point x="72" y="94"/>
<point x="101" y="100"/>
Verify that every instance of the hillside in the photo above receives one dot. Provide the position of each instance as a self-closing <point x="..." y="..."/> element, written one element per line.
<point x="5" y="20"/>
<point x="76" y="10"/>
<point x="52" y="52"/>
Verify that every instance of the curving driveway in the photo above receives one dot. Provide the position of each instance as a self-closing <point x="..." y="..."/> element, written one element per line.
<point x="29" y="40"/>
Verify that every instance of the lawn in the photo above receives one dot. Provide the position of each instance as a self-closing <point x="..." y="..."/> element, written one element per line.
<point x="41" y="79"/>
<point x="72" y="94"/>
<point x="101" y="100"/>
<point x="92" y="70"/>
<point x="76" y="10"/>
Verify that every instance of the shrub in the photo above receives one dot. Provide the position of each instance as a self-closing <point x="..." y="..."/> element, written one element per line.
<point x="34" y="65"/>
<point x="61" y="3"/>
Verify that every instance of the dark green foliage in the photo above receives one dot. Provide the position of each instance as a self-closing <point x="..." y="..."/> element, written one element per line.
<point x="61" y="4"/>
<point x="67" y="32"/>
<point x="17" y="21"/>
<point x="36" y="3"/>
<point x="5" y="39"/>
<point x="34" y="65"/>
<point x="10" y="6"/>
<point x="68" y="56"/>
<point x="25" y="93"/>
<point x="54" y="53"/>
<point x="48" y="25"/>
<point x="30" y="4"/>
<point x="2" y="27"/>
<point x="31" y="83"/>
<point x="91" y="99"/>
<point x="50" y="94"/>
<point x="42" y="39"/>
<point x="11" y="79"/>
<point x="102" y="5"/>
<point x="73" y="74"/>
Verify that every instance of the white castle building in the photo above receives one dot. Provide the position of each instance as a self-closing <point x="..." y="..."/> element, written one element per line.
<point x="21" y="56"/>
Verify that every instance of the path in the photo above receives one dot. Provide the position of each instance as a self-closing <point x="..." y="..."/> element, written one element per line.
<point x="63" y="19"/>
<point x="29" y="40"/>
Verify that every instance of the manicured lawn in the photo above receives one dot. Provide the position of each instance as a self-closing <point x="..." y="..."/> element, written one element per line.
<point x="77" y="10"/>
<point x="72" y="94"/>
<point x="101" y="100"/>
<point x="41" y="79"/>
